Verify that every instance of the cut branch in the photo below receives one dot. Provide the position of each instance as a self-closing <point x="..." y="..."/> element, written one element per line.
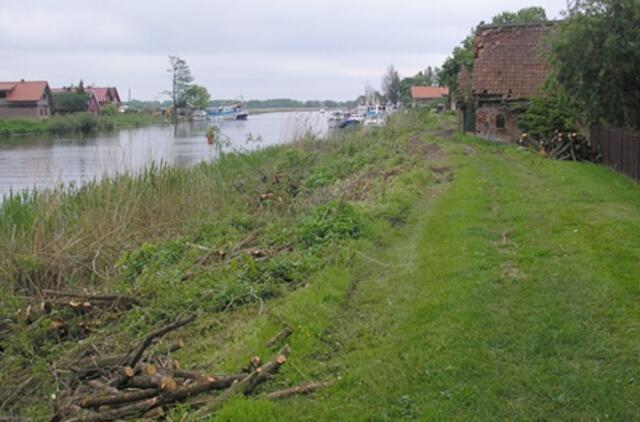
<point x="148" y="340"/>
<point x="300" y="389"/>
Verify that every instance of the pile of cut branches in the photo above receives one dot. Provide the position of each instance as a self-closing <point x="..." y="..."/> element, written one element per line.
<point x="140" y="384"/>
<point x="563" y="146"/>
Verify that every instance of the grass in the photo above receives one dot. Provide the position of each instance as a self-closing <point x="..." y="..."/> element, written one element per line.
<point x="74" y="123"/>
<point x="429" y="278"/>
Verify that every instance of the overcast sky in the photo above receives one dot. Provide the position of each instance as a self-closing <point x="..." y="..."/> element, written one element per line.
<point x="325" y="49"/>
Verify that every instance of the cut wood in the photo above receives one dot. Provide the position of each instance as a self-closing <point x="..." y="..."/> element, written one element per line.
<point x="149" y="339"/>
<point x="300" y="389"/>
<point x="111" y="298"/>
<point x="132" y="410"/>
<point x="269" y="369"/>
<point x="120" y="398"/>
<point x="280" y="337"/>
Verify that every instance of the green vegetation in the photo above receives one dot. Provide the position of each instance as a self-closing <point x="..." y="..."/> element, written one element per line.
<point x="76" y="123"/>
<point x="608" y="89"/>
<point x="70" y="102"/>
<point x="429" y="276"/>
<point x="198" y="97"/>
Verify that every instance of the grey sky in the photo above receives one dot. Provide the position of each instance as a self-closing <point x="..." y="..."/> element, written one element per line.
<point x="326" y="49"/>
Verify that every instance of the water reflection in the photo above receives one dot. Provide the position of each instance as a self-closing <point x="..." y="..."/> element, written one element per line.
<point x="45" y="162"/>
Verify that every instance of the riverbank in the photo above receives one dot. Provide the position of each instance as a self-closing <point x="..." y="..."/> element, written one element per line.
<point x="425" y="274"/>
<point x="75" y="123"/>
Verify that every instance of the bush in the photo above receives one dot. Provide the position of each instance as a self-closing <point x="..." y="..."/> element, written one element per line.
<point x="548" y="115"/>
<point x="334" y="221"/>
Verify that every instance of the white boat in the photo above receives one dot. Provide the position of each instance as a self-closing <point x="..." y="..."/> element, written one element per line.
<point x="231" y="112"/>
<point x="199" y="115"/>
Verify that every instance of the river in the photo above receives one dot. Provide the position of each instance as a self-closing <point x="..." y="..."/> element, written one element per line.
<point x="44" y="162"/>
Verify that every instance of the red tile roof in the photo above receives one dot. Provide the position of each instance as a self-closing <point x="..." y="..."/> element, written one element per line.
<point x="428" y="92"/>
<point x="24" y="91"/>
<point x="103" y="93"/>
<point x="509" y="61"/>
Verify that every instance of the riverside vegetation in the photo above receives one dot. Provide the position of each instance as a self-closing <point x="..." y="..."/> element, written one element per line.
<point x="76" y="123"/>
<point x="423" y="274"/>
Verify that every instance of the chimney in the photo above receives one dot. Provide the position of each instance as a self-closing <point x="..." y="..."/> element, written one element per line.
<point x="21" y="80"/>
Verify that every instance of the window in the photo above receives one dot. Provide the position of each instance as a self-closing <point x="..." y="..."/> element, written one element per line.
<point x="500" y="123"/>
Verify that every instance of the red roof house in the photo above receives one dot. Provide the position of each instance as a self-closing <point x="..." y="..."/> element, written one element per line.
<point x="424" y="95"/>
<point x="108" y="95"/>
<point x="25" y="99"/>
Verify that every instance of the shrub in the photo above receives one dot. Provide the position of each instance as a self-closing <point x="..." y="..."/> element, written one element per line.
<point x="334" y="221"/>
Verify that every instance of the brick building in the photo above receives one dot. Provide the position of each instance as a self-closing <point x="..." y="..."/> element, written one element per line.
<point x="25" y="99"/>
<point x="509" y="69"/>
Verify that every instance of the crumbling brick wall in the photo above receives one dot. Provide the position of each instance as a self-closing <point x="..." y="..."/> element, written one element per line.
<point x="489" y="126"/>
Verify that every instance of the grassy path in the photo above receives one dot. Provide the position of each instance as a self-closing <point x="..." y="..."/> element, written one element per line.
<point x="513" y="295"/>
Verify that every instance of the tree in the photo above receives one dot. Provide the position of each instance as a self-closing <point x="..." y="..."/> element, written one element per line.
<point x="180" y="83"/>
<point x="526" y="15"/>
<point x="391" y="85"/>
<point x="595" y="57"/>
<point x="198" y="97"/>
<point x="72" y="101"/>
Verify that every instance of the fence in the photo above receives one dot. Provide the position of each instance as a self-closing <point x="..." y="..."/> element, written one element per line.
<point x="620" y="149"/>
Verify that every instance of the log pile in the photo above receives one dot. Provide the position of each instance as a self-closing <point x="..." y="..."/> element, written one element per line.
<point x="140" y="384"/>
<point x="563" y="146"/>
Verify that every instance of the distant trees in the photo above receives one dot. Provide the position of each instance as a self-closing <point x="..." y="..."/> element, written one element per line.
<point x="181" y="79"/>
<point x="595" y="59"/>
<point x="391" y="85"/>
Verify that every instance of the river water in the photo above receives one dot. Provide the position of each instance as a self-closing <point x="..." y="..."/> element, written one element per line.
<point x="43" y="162"/>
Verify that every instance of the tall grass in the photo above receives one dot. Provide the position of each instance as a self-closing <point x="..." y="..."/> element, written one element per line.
<point x="61" y="237"/>
<point x="75" y="123"/>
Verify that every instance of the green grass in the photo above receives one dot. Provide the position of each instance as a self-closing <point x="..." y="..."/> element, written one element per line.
<point x="467" y="282"/>
<point x="75" y="123"/>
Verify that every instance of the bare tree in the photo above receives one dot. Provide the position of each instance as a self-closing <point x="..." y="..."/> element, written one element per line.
<point x="391" y="85"/>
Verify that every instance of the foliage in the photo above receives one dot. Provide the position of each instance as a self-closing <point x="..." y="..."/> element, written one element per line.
<point x="198" y="97"/>
<point x="70" y="102"/>
<point x="181" y="79"/>
<point x="391" y="85"/>
<point x="547" y="115"/>
<point x="526" y="15"/>
<point x="595" y="59"/>
<point x="109" y="110"/>
<point x="331" y="222"/>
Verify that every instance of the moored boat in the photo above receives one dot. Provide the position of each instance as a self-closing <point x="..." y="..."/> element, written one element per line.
<point x="231" y="112"/>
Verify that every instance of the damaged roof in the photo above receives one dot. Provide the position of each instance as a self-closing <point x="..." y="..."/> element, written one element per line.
<point x="509" y="60"/>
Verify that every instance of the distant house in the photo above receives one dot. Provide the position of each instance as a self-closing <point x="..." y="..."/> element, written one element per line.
<point x="428" y="95"/>
<point x="25" y="99"/>
<point x="509" y="69"/>
<point x="105" y="96"/>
